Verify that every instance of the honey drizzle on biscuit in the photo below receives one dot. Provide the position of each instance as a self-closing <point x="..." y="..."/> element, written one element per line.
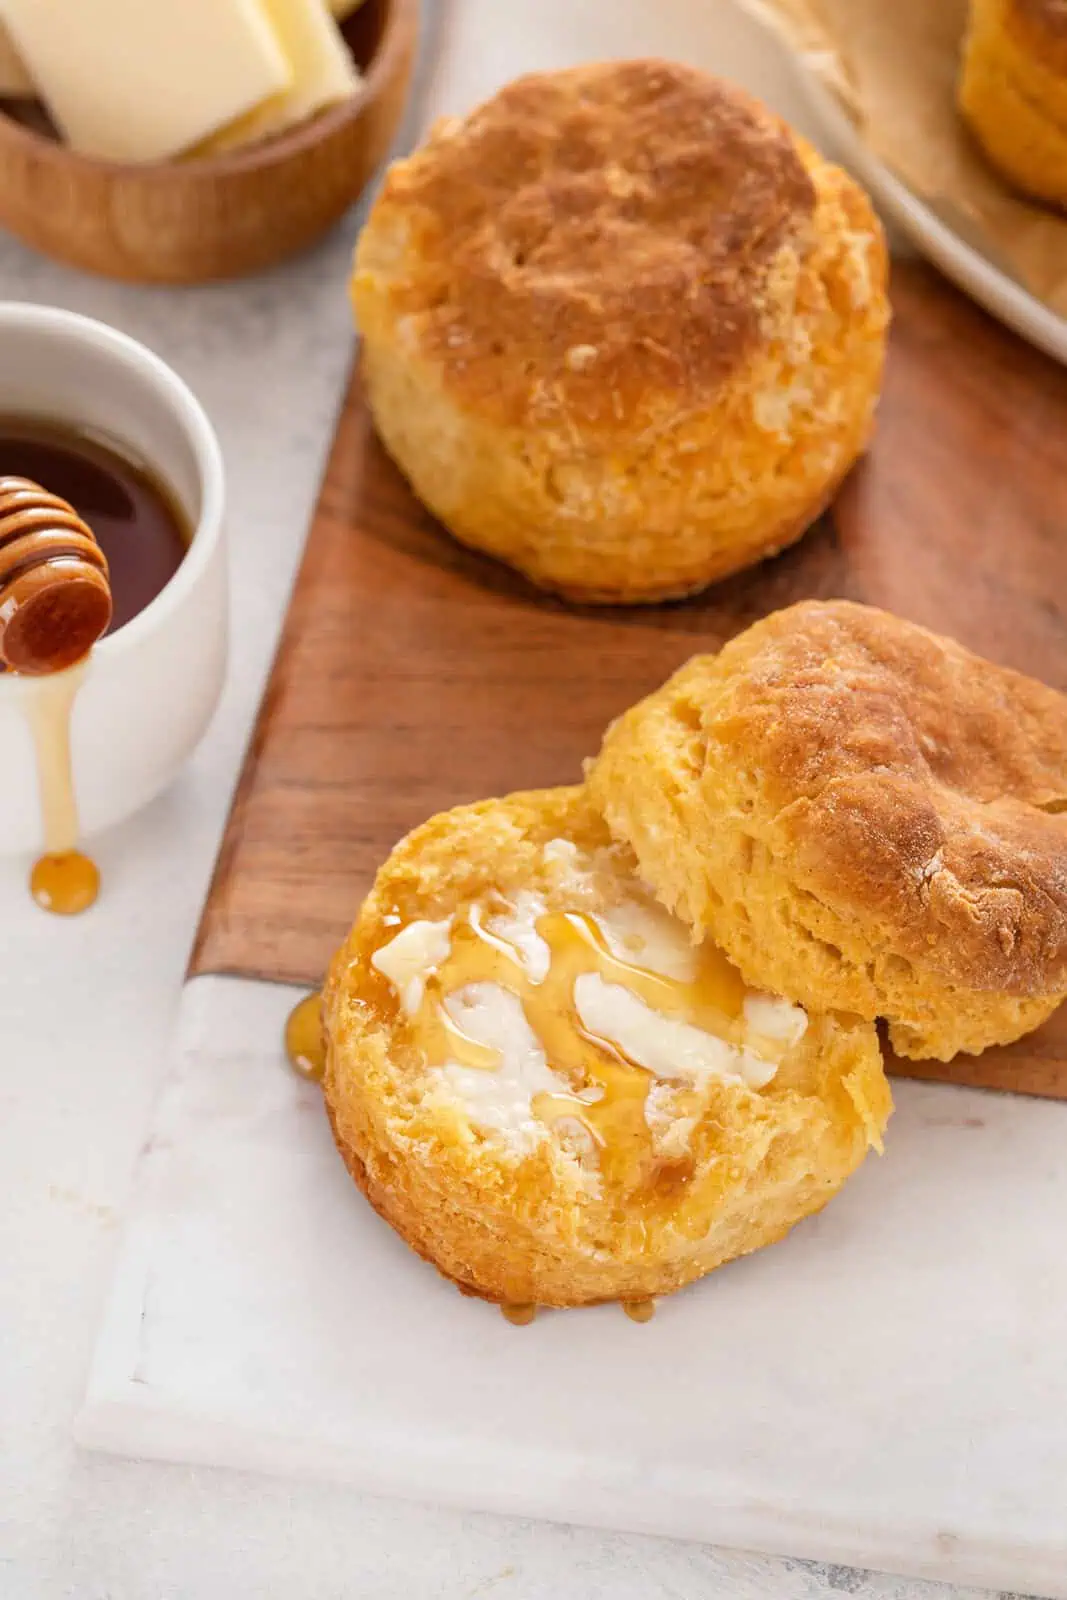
<point x="609" y="1091"/>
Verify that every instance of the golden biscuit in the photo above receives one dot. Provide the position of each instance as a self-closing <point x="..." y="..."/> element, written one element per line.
<point x="863" y="815"/>
<point x="1013" y="91"/>
<point x="483" y="1019"/>
<point x="622" y="328"/>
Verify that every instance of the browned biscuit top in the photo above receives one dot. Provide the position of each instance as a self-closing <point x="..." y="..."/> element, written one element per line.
<point x="593" y="236"/>
<point x="912" y="781"/>
<point x="1047" y="16"/>
<point x="1038" y="28"/>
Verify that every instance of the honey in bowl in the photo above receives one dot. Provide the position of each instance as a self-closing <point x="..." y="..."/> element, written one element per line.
<point x="143" y="535"/>
<point x="137" y="521"/>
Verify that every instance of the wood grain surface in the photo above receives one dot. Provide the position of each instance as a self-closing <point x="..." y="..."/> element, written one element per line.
<point x="413" y="675"/>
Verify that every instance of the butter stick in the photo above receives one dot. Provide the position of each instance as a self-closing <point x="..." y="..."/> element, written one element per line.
<point x="323" y="73"/>
<point x="143" y="80"/>
<point x="15" y="82"/>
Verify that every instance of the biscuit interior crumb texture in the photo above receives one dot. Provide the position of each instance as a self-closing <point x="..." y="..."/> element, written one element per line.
<point x="622" y="328"/>
<point x="1013" y="91"/>
<point x="516" y="1079"/>
<point x="864" y="816"/>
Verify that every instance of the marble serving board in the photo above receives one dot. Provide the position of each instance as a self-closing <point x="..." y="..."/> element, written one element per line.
<point x="884" y="1389"/>
<point x="887" y="1388"/>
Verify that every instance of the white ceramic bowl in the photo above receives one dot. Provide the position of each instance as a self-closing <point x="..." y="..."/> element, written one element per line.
<point x="150" y="689"/>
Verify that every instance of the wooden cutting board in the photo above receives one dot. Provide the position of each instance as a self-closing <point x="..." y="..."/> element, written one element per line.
<point x="413" y="675"/>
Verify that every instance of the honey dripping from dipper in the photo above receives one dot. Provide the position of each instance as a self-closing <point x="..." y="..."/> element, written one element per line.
<point x="67" y="576"/>
<point x="55" y="602"/>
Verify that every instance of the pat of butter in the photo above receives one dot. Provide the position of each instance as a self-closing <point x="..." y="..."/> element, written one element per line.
<point x="409" y="959"/>
<point x="501" y="1100"/>
<point x="674" y="1051"/>
<point x="324" y="73"/>
<point x="140" y="80"/>
<point x="768" y="1016"/>
<point x="14" y="79"/>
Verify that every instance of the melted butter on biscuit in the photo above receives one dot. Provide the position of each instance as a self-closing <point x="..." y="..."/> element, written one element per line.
<point x="666" y="1047"/>
<point x="538" y="1022"/>
<point x="503" y="1096"/>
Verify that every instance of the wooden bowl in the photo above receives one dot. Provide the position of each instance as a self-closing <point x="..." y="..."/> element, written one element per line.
<point x="221" y="216"/>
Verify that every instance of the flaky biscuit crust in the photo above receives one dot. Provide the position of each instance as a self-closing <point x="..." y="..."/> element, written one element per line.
<point x="621" y="328"/>
<point x="537" y="1227"/>
<point x="863" y="815"/>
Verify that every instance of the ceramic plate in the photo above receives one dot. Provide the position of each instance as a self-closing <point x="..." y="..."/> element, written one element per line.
<point x="973" y="271"/>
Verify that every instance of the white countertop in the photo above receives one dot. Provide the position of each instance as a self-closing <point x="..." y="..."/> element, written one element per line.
<point x="86" y="1010"/>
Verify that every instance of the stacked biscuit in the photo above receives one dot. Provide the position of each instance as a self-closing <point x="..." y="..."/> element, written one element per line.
<point x="1013" y="92"/>
<point x="622" y="329"/>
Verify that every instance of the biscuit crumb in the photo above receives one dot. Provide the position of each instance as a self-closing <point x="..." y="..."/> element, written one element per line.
<point x="580" y="357"/>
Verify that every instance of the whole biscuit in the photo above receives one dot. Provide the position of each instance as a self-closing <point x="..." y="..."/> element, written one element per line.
<point x="622" y="328"/>
<point x="864" y="816"/>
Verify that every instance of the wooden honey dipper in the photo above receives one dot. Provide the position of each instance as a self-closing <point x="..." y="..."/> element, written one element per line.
<point x="55" y="597"/>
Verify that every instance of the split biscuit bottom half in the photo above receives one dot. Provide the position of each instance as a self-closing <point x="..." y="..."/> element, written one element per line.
<point x="551" y="1092"/>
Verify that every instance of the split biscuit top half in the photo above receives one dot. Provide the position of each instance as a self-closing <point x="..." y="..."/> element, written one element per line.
<point x="865" y="816"/>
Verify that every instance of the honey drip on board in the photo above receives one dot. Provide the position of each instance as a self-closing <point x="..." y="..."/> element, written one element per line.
<point x="518" y="1316"/>
<point x="607" y="1100"/>
<point x="304" y="1043"/>
<point x="639" y="1310"/>
<point x="63" y="880"/>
